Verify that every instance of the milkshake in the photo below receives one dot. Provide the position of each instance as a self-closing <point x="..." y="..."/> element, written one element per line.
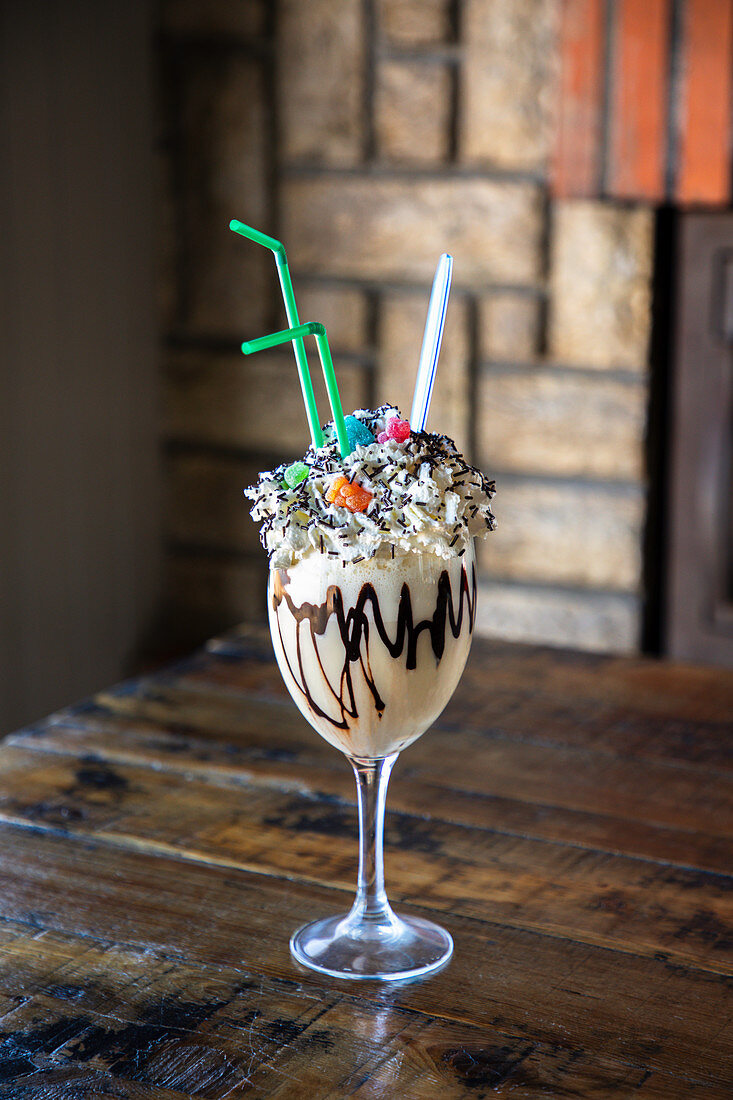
<point x="372" y="590"/>
<point x="372" y="602"/>
<point x="372" y="652"/>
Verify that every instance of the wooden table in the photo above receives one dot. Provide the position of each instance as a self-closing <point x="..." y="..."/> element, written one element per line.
<point x="570" y="820"/>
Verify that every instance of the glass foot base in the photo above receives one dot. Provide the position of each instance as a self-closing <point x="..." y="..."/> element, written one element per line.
<point x="404" y="947"/>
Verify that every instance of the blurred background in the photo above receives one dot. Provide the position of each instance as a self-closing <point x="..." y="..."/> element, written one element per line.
<point x="572" y="155"/>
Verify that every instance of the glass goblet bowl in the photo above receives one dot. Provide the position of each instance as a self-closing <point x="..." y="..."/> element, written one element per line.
<point x="371" y="651"/>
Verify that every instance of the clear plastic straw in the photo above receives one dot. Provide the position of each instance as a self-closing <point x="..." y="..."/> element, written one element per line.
<point x="431" y="343"/>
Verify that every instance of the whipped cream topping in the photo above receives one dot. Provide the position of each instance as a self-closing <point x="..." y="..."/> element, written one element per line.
<point x="425" y="497"/>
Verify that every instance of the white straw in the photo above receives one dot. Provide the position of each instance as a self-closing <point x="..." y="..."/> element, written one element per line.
<point x="431" y="343"/>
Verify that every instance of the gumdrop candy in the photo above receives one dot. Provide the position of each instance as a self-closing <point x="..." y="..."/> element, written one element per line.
<point x="397" y="429"/>
<point x="358" y="432"/>
<point x="295" y="474"/>
<point x="335" y="488"/>
<point x="354" y="497"/>
<point x="347" y="494"/>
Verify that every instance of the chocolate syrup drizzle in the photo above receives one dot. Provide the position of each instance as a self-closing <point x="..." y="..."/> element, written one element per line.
<point x="354" y="626"/>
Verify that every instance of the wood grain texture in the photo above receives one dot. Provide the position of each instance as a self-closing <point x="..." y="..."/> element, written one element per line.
<point x="103" y="1007"/>
<point x="569" y="819"/>
<point x="699" y="606"/>
<point x="301" y="767"/>
<point x="589" y="896"/>
<point x="650" y="1011"/>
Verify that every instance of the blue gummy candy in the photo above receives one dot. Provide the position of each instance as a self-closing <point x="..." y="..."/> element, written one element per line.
<point x="358" y="432"/>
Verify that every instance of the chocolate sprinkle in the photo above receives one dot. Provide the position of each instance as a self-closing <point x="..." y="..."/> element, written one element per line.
<point x="408" y="482"/>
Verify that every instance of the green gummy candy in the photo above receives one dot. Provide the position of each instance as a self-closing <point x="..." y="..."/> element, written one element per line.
<point x="295" y="474"/>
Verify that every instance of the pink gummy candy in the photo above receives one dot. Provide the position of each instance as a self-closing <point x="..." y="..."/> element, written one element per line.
<point x="398" y="429"/>
<point x="382" y="437"/>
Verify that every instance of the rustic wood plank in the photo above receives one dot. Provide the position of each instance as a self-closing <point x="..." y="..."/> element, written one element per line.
<point x="644" y="708"/>
<point x="244" y="660"/>
<point x="591" y="897"/>
<point x="516" y="1069"/>
<point x="135" y="1016"/>
<point x="638" y="100"/>
<point x="169" y="835"/>
<point x="697" y="611"/>
<point x="81" y="1083"/>
<point x="229" y="702"/>
<point x="644" y="1012"/>
<point x="116" y="741"/>
<point x="533" y="790"/>
<point x="576" y="161"/>
<point x="112" y="1007"/>
<point x="191" y="1047"/>
<point x="661" y="793"/>
<point x="705" y="103"/>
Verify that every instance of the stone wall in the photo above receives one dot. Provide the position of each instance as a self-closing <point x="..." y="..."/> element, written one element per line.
<point x="371" y="135"/>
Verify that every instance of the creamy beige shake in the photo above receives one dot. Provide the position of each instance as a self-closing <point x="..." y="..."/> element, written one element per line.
<point x="372" y="590"/>
<point x="371" y="652"/>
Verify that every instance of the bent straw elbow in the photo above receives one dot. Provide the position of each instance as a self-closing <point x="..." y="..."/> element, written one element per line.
<point x="259" y="238"/>
<point x="312" y="328"/>
<point x="291" y="312"/>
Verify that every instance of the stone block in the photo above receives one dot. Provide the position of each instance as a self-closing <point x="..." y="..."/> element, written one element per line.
<point x="600" y="285"/>
<point x="214" y="18"/>
<point x="205" y="595"/>
<point x="228" y="281"/>
<point x="341" y="309"/>
<point x="376" y="228"/>
<point x="402" y="322"/>
<point x="204" y="502"/>
<point x="570" y="534"/>
<point x="598" y="622"/>
<point x="166" y="252"/>
<point x="414" y="22"/>
<point x="321" y="70"/>
<point x="509" y="327"/>
<point x="557" y="422"/>
<point x="412" y="113"/>
<point x="507" y="82"/>
<point x="252" y="404"/>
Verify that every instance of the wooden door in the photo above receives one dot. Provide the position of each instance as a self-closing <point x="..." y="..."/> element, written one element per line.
<point x="700" y="580"/>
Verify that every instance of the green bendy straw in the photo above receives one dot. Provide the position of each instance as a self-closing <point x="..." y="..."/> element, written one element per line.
<point x="312" y="328"/>
<point x="291" y="312"/>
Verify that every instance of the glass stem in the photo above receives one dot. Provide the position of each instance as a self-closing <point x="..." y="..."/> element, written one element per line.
<point x="372" y="777"/>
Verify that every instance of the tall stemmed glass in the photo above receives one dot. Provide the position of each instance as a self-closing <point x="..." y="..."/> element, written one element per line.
<point x="371" y="652"/>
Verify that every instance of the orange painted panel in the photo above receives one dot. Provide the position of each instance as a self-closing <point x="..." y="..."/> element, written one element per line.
<point x="576" y="158"/>
<point x="703" y="174"/>
<point x="638" y="105"/>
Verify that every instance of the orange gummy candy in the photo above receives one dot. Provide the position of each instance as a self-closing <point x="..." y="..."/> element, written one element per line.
<point x="335" y="489"/>
<point x="354" y="497"/>
<point x="346" y="494"/>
